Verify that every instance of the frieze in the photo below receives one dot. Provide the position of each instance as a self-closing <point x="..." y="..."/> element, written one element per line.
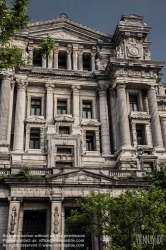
<point x="139" y="115"/>
<point x="64" y="118"/>
<point x="90" y="123"/>
<point x="132" y="73"/>
<point x="35" y="119"/>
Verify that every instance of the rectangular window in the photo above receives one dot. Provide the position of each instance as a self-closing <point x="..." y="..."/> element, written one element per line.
<point x="89" y="143"/>
<point x="140" y="135"/>
<point x="62" y="107"/>
<point x="87" y="110"/>
<point x="133" y="102"/>
<point x="37" y="58"/>
<point x="86" y="62"/>
<point x="66" y="151"/>
<point x="34" y="139"/>
<point x="64" y="130"/>
<point x="62" y="60"/>
<point x="35" y="107"/>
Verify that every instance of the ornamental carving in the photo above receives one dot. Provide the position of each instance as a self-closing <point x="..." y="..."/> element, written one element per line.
<point x="90" y="123"/>
<point x="13" y="220"/>
<point x="162" y="106"/>
<point x="139" y="115"/>
<point x="50" y="85"/>
<point x="56" y="222"/>
<point x="163" y="117"/>
<point x="100" y="65"/>
<point x="65" y="36"/>
<point x="102" y="88"/>
<point x="64" y="118"/>
<point x="147" y="55"/>
<point x="22" y="83"/>
<point x="35" y="119"/>
<point x="133" y="73"/>
<point x="119" y="52"/>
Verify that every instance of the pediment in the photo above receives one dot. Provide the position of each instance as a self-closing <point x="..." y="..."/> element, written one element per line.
<point x="62" y="28"/>
<point x="80" y="177"/>
<point x="35" y="119"/>
<point x="139" y="115"/>
<point x="64" y="118"/>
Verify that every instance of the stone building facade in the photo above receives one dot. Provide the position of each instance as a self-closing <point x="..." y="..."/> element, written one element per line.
<point x="86" y="118"/>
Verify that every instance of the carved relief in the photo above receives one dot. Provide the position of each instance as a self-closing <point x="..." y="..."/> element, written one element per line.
<point x="13" y="218"/>
<point x="119" y="52"/>
<point x="161" y="106"/>
<point x="132" y="73"/>
<point x="35" y="119"/>
<point x="56" y="223"/>
<point x="139" y="115"/>
<point x="91" y="123"/>
<point x="147" y="55"/>
<point x="102" y="88"/>
<point x="22" y="83"/>
<point x="64" y="118"/>
<point x="65" y="36"/>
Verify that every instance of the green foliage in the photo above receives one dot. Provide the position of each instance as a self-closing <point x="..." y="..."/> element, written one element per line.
<point x="158" y="177"/>
<point x="133" y="176"/>
<point x="122" y="217"/>
<point x="25" y="173"/>
<point x="46" y="47"/>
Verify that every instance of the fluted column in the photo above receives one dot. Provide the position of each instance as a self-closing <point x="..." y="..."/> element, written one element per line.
<point x="155" y="121"/>
<point x="163" y="128"/>
<point x="69" y="59"/>
<point x="50" y="60"/>
<point x="123" y="116"/>
<point x="44" y="62"/>
<point x="76" y="104"/>
<point x="105" y="134"/>
<point x="4" y="107"/>
<point x="49" y="103"/>
<point x="80" y="60"/>
<point x="93" y="61"/>
<point x="22" y="84"/>
<point x="12" y="84"/>
<point x="55" y="62"/>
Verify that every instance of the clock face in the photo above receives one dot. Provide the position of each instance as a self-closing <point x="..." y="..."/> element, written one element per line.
<point x="134" y="51"/>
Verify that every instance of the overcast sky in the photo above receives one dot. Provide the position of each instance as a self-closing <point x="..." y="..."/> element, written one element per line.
<point x="105" y="14"/>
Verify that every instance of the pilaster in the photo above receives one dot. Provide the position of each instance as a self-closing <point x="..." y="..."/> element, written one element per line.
<point x="93" y="61"/>
<point x="76" y="104"/>
<point x="12" y="85"/>
<point x="75" y="57"/>
<point x="80" y="60"/>
<point x="49" y="103"/>
<point x="69" y="59"/>
<point x="50" y="60"/>
<point x="44" y="62"/>
<point x="163" y="128"/>
<point x="55" y="62"/>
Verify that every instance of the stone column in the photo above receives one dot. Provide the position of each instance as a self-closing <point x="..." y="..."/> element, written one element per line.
<point x="49" y="104"/>
<point x="105" y="135"/>
<point x="44" y="62"/>
<point x="76" y="104"/>
<point x="93" y="61"/>
<point x="56" y="223"/>
<point x="5" y="108"/>
<point x="155" y="121"/>
<point x="80" y="60"/>
<point x="75" y="57"/>
<point x="12" y="84"/>
<point x="50" y="60"/>
<point x="30" y="49"/>
<point x="22" y="84"/>
<point x="113" y="118"/>
<point x="69" y="59"/>
<point x="12" y="232"/>
<point x="163" y="128"/>
<point x="123" y="116"/>
<point x="55" y="62"/>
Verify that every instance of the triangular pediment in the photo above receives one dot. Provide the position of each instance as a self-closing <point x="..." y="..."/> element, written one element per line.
<point x="62" y="28"/>
<point x="80" y="177"/>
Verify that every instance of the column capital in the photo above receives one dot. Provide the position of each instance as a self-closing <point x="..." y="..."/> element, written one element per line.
<point x="6" y="77"/>
<point x="76" y="87"/>
<point x="69" y="51"/>
<point x="113" y="92"/>
<point x="102" y="88"/>
<point x="80" y="53"/>
<point x="22" y="83"/>
<point x="93" y="54"/>
<point x="150" y="87"/>
<point x="50" y="85"/>
<point x="12" y="84"/>
<point x="121" y="86"/>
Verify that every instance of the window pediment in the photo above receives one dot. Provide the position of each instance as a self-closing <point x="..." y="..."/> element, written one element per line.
<point x="64" y="118"/>
<point x="90" y="122"/>
<point x="35" y="119"/>
<point x="139" y="115"/>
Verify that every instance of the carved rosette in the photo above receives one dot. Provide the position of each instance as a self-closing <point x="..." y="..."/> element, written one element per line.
<point x="22" y="83"/>
<point x="13" y="220"/>
<point x="56" y="222"/>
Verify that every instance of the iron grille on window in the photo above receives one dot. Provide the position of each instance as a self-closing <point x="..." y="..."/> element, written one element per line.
<point x="89" y="143"/>
<point x="62" y="107"/>
<point x="133" y="103"/>
<point x="87" y="110"/>
<point x="34" y="140"/>
<point x="35" y="107"/>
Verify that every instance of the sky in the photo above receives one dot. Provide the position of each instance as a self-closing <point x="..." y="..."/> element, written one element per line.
<point x="104" y="15"/>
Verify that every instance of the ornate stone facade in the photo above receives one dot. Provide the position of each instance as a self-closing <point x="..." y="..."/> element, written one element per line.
<point x="82" y="119"/>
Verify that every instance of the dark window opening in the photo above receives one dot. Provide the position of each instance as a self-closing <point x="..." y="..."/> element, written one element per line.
<point x="34" y="139"/>
<point x="87" y="110"/>
<point x="62" y="60"/>
<point x="64" y="151"/>
<point x="35" y="107"/>
<point x="34" y="225"/>
<point x="148" y="166"/>
<point x="62" y="107"/>
<point x="133" y="102"/>
<point x="37" y="58"/>
<point x="64" y="130"/>
<point x="64" y="164"/>
<point x="140" y="135"/>
<point x="86" y="62"/>
<point x="89" y="143"/>
<point x="85" y="241"/>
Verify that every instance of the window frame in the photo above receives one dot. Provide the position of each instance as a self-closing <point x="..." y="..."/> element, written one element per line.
<point x="86" y="110"/>
<point x="61" y="113"/>
<point x="90" y="146"/>
<point x="141" y="127"/>
<point x="35" y="106"/>
<point x="34" y="132"/>
<point x="133" y="103"/>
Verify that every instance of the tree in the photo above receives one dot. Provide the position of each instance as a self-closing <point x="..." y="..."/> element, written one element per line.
<point x="12" y="19"/>
<point x="125" y="218"/>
